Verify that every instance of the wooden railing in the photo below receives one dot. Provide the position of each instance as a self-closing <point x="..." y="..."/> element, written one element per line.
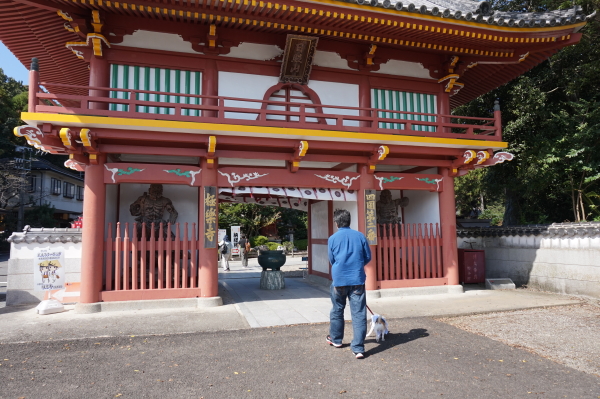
<point x="409" y="251"/>
<point x="164" y="259"/>
<point x="241" y="111"/>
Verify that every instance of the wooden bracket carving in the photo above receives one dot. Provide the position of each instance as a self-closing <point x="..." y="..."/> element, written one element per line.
<point x="210" y="152"/>
<point x="379" y="155"/>
<point x="300" y="152"/>
<point x="77" y="162"/>
<point x="94" y="40"/>
<point x="66" y="136"/>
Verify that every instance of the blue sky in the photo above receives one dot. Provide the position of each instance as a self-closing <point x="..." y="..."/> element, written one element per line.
<point x="11" y="66"/>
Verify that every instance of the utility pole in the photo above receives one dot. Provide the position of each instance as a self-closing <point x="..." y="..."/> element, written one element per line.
<point x="23" y="164"/>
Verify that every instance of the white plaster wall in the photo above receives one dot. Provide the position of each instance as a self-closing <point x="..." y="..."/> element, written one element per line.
<point x="350" y="206"/>
<point x="184" y="199"/>
<point x="21" y="268"/>
<point x="340" y="94"/>
<point x="423" y="207"/>
<point x="319" y="220"/>
<point x="330" y="60"/>
<point x="242" y="85"/>
<point x="404" y="68"/>
<point x="564" y="265"/>
<point x="320" y="259"/>
<point x="157" y="41"/>
<point x="254" y="51"/>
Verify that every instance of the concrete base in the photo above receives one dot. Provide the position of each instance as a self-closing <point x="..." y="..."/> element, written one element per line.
<point x="413" y="291"/>
<point x="118" y="306"/>
<point x="499" y="284"/>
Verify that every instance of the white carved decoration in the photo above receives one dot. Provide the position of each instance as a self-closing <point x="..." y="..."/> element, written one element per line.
<point x="234" y="178"/>
<point x="500" y="157"/>
<point x="345" y="181"/>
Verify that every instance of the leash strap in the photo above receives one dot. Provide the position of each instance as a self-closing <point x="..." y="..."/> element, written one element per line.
<point x="369" y="309"/>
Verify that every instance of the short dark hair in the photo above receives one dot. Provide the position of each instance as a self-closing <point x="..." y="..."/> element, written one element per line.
<point x="341" y="217"/>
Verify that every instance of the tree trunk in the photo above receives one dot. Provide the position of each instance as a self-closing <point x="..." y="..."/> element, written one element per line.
<point x="511" y="212"/>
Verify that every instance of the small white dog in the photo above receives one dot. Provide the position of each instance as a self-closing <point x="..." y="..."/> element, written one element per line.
<point x="380" y="326"/>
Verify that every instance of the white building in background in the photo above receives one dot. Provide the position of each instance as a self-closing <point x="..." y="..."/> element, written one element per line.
<point x="57" y="187"/>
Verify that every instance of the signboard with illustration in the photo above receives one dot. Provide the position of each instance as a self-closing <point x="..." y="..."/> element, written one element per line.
<point x="48" y="269"/>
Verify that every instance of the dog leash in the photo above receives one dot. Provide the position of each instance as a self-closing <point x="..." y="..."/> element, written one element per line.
<point x="370" y="309"/>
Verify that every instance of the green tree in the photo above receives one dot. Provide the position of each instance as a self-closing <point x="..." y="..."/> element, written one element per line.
<point x="551" y="120"/>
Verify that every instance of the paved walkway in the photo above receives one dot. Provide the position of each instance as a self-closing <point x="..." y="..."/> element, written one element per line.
<point x="246" y="306"/>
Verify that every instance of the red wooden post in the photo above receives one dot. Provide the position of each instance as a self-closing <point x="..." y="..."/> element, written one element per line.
<point x="403" y="249"/>
<point x="92" y="254"/>
<point x="152" y="265"/>
<point x="184" y="248"/>
<point x="385" y="252"/>
<point x="176" y="261"/>
<point x="118" y="250"/>
<point x="438" y="249"/>
<point x="134" y="258"/>
<point x="144" y="269"/>
<point x="397" y="252"/>
<point x="99" y="77"/>
<point x="161" y="256"/>
<point x="126" y="257"/>
<point x="411" y="251"/>
<point x="194" y="258"/>
<point x="109" y="258"/>
<point x="169" y="257"/>
<point x="448" y="221"/>
<point x="421" y="253"/>
<point x="497" y="120"/>
<point x="34" y="81"/>
<point x="208" y="275"/>
<point x="210" y="87"/>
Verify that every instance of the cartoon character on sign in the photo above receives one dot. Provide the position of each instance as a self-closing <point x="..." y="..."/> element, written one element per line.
<point x="44" y="272"/>
<point x="53" y="266"/>
<point x="49" y="271"/>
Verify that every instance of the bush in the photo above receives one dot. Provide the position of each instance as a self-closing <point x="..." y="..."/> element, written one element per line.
<point x="301" y="244"/>
<point x="495" y="213"/>
<point x="258" y="240"/>
<point x="272" y="246"/>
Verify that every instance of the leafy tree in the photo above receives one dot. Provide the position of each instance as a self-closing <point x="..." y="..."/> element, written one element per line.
<point x="251" y="217"/>
<point x="551" y="120"/>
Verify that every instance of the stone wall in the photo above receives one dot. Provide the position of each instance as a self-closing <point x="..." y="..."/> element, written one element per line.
<point x="562" y="257"/>
<point x="20" y="289"/>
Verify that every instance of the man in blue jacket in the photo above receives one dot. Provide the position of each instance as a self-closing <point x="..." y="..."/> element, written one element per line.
<point x="349" y="252"/>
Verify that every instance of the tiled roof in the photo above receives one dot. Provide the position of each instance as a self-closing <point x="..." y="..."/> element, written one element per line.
<point x="481" y="11"/>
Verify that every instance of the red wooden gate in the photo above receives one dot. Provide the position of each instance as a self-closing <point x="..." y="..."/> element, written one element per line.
<point x="409" y="255"/>
<point x="161" y="266"/>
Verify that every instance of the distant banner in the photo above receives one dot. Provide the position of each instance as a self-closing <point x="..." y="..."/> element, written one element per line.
<point x="48" y="269"/>
<point x="235" y="239"/>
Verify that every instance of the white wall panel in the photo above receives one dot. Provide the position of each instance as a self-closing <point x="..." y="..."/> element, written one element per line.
<point x="320" y="260"/>
<point x="319" y="220"/>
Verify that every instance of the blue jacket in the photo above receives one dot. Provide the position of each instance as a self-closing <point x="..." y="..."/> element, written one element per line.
<point x="349" y="252"/>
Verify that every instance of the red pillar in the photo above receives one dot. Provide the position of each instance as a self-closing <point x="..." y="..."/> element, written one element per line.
<point x="99" y="77"/>
<point x="364" y="99"/>
<point x="34" y="80"/>
<point x="367" y="183"/>
<point x="210" y="86"/>
<point x="92" y="253"/>
<point x="448" y="222"/>
<point x="444" y="106"/>
<point x="208" y="275"/>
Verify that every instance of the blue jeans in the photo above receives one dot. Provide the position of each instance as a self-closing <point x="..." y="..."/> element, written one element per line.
<point x="358" y="310"/>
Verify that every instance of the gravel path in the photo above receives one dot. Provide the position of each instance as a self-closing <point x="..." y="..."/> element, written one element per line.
<point x="568" y="335"/>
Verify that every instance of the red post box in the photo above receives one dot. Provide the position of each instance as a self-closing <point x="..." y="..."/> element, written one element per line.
<point x="471" y="266"/>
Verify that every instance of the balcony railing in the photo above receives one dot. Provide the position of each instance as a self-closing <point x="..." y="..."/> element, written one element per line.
<point x="143" y="104"/>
